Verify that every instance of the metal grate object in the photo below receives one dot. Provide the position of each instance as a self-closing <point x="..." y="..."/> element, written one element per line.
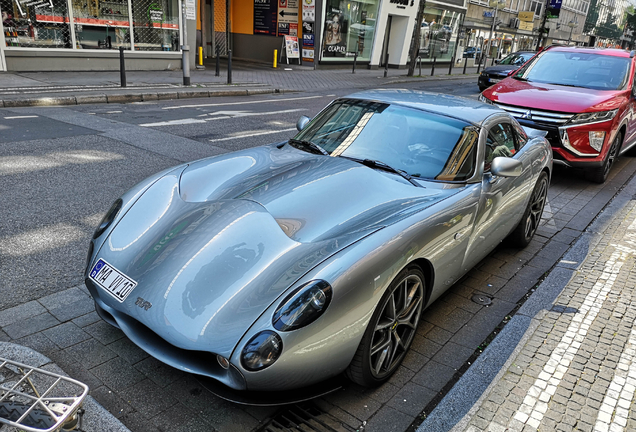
<point x="36" y="400"/>
<point x="304" y="417"/>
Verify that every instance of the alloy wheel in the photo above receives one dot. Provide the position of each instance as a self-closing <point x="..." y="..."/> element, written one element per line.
<point x="396" y="326"/>
<point x="537" y="204"/>
<point x="611" y="156"/>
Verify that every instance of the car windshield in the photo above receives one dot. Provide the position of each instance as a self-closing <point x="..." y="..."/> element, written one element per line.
<point x="422" y="144"/>
<point x="516" y="59"/>
<point x="578" y="69"/>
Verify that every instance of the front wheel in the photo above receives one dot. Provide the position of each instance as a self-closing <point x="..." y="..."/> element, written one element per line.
<point x="599" y="175"/>
<point x="522" y="235"/>
<point x="390" y="331"/>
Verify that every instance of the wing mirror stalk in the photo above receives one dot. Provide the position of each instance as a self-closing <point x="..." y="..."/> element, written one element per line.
<point x="506" y="167"/>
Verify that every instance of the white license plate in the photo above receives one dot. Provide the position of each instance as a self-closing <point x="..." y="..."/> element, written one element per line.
<point x="494" y="80"/>
<point x="112" y="280"/>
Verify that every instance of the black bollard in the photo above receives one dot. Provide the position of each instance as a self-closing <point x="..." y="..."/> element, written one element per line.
<point x="478" y="65"/>
<point x="386" y="66"/>
<point x="122" y="67"/>
<point x="229" y="66"/>
<point x="465" y="60"/>
<point x="433" y="68"/>
<point x="218" y="64"/>
<point x="355" y="59"/>
<point x="450" y="68"/>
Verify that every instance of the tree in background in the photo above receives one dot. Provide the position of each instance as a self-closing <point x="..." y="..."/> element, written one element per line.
<point x="592" y="17"/>
<point x="415" y="41"/>
<point x="609" y="29"/>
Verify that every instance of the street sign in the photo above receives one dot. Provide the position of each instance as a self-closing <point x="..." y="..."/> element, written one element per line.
<point x="526" y="16"/>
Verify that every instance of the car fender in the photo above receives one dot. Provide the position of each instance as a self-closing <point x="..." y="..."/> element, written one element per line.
<point x="359" y="276"/>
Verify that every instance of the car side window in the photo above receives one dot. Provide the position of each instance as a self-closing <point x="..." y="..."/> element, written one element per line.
<point x="500" y="142"/>
<point x="521" y="137"/>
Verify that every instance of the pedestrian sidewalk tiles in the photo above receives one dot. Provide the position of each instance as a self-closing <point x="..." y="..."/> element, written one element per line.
<point x="578" y="369"/>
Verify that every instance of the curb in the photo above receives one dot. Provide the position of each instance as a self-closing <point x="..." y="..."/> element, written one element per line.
<point x="132" y="97"/>
<point x="96" y="418"/>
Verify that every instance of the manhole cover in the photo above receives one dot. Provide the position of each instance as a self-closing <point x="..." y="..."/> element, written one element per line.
<point x="481" y="299"/>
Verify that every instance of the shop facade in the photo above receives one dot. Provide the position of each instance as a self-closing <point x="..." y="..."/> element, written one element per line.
<point x="335" y="33"/>
<point x="46" y="35"/>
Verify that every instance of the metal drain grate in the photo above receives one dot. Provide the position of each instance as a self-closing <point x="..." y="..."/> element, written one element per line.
<point x="481" y="299"/>
<point x="305" y="417"/>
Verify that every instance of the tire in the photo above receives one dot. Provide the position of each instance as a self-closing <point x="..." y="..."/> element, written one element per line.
<point x="390" y="331"/>
<point x="37" y="418"/>
<point x="523" y="233"/>
<point x="599" y="175"/>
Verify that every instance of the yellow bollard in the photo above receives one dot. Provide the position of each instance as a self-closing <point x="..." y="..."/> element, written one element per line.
<point x="275" y="57"/>
<point x="200" y="56"/>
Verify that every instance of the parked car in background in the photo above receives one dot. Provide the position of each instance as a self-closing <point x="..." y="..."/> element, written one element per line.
<point x="472" y="52"/>
<point x="276" y="267"/>
<point x="502" y="68"/>
<point x="583" y="97"/>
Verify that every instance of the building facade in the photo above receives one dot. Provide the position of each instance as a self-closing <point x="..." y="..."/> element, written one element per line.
<point x="45" y="35"/>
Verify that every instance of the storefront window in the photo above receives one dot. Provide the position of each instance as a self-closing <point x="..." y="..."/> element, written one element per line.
<point x="98" y="24"/>
<point x="101" y="24"/>
<point x="349" y="28"/>
<point x="156" y="25"/>
<point x="28" y="23"/>
<point x="439" y="33"/>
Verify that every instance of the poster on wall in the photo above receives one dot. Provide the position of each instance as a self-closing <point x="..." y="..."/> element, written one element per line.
<point x="283" y="29"/>
<point x="308" y="54"/>
<point x="288" y="11"/>
<point x="308" y="39"/>
<point x="191" y="9"/>
<point x="335" y="33"/>
<point x="293" y="29"/>
<point x="309" y="10"/>
<point x="291" y="47"/>
<point x="265" y="12"/>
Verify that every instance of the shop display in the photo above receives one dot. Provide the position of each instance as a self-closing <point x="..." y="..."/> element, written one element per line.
<point x="349" y="28"/>
<point x="98" y="24"/>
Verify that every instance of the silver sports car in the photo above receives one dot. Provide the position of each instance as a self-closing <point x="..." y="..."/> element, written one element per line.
<point x="277" y="267"/>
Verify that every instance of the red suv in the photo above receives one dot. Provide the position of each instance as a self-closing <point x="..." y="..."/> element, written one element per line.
<point x="583" y="97"/>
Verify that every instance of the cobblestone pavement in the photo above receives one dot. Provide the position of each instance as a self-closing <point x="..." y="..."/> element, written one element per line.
<point x="578" y="369"/>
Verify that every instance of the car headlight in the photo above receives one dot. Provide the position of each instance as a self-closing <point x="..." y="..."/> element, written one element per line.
<point x="303" y="306"/>
<point x="108" y="218"/>
<point x="261" y="351"/>
<point x="593" y="117"/>
<point x="484" y="99"/>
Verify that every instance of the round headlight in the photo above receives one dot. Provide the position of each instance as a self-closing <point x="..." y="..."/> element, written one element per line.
<point x="261" y="351"/>
<point x="303" y="306"/>
<point x="108" y="218"/>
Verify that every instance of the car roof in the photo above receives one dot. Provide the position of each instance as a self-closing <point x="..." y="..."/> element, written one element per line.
<point x="465" y="109"/>
<point x="595" y="50"/>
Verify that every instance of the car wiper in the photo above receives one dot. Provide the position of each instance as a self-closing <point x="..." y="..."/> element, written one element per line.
<point x="518" y="78"/>
<point x="564" y="85"/>
<point x="313" y="147"/>
<point x="383" y="166"/>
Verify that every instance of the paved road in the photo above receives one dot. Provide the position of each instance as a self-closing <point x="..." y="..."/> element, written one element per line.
<point x="62" y="167"/>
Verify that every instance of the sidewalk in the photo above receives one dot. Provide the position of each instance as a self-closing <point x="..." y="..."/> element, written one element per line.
<point x="71" y="88"/>
<point x="567" y="360"/>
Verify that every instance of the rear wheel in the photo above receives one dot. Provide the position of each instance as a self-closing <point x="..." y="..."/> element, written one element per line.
<point x="390" y="331"/>
<point x="522" y="235"/>
<point x="599" y="175"/>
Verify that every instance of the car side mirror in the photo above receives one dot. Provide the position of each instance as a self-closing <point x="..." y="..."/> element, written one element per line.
<point x="497" y="61"/>
<point x="302" y="122"/>
<point x="506" y="167"/>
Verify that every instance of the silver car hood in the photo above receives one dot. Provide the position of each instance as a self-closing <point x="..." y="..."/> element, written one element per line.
<point x="211" y="259"/>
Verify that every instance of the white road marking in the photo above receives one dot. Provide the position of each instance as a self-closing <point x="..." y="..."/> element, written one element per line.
<point x="252" y="134"/>
<point x="535" y="404"/>
<point x="242" y="103"/>
<point x="113" y="112"/>
<point x="222" y="116"/>
<point x="173" y="122"/>
<point x="20" y="117"/>
<point x="614" y="411"/>
<point x="227" y="114"/>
